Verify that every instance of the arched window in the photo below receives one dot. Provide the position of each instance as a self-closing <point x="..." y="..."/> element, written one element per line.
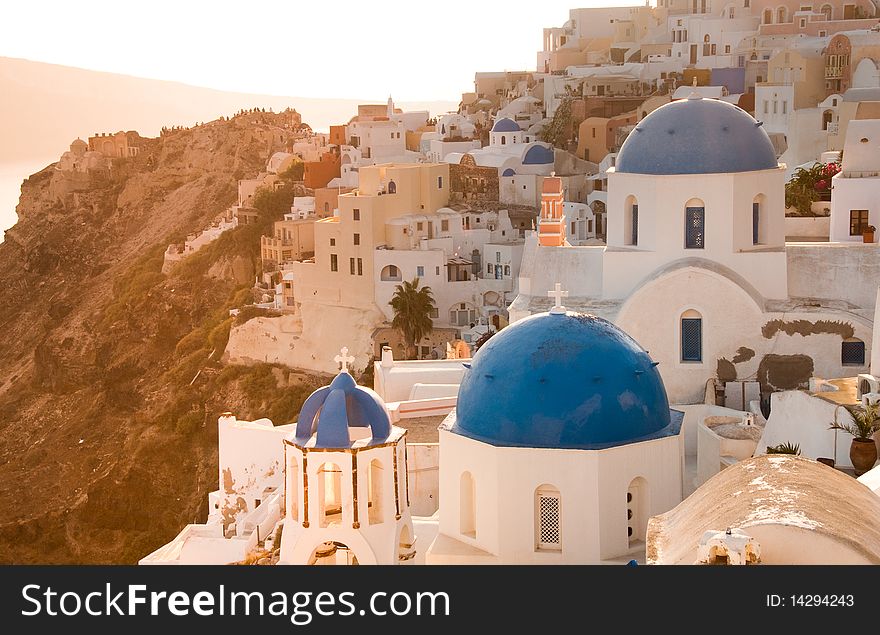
<point x="390" y="273"/>
<point x="691" y="336"/>
<point x="757" y="233"/>
<point x="467" y="515"/>
<point x="706" y="38"/>
<point x="631" y="221"/>
<point x="548" y="519"/>
<point x="827" y="11"/>
<point x="326" y="207"/>
<point x="852" y="352"/>
<point x="768" y="16"/>
<point x="636" y="510"/>
<point x="781" y="15"/>
<point x="374" y="496"/>
<point x="503" y="139"/>
<point x="392" y="187"/>
<point x="292" y="489"/>
<point x="329" y="495"/>
<point x="695" y="225"/>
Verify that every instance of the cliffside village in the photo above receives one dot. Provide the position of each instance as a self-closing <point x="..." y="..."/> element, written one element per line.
<point x="701" y="178"/>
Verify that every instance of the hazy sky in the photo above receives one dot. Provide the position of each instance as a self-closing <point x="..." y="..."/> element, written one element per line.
<point x="412" y="50"/>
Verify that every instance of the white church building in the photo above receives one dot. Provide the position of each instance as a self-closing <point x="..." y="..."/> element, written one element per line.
<point x="696" y="267"/>
<point x="560" y="457"/>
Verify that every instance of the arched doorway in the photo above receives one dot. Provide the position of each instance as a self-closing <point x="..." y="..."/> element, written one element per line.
<point x="332" y="553"/>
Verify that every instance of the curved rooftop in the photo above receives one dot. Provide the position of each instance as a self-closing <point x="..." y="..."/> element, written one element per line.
<point x="562" y="380"/>
<point x="505" y="124"/>
<point x="696" y="136"/>
<point x="330" y="411"/>
<point x="777" y="490"/>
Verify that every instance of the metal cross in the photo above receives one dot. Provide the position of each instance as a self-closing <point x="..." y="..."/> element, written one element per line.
<point x="557" y="294"/>
<point x="344" y="359"/>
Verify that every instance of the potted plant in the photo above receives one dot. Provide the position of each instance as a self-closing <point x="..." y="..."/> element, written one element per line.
<point x="784" y="448"/>
<point x="865" y="422"/>
<point x="868" y="234"/>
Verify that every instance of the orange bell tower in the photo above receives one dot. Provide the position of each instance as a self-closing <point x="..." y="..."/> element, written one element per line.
<point x="551" y="226"/>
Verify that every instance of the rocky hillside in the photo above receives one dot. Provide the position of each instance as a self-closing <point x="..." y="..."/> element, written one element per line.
<point x="109" y="384"/>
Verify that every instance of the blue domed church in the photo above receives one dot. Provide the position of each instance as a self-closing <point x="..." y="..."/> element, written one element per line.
<point x="696" y="266"/>
<point x="562" y="445"/>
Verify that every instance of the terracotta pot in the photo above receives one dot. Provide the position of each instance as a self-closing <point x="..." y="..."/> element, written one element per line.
<point x="863" y="454"/>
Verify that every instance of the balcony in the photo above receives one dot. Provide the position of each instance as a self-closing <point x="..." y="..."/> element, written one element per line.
<point x="833" y="72"/>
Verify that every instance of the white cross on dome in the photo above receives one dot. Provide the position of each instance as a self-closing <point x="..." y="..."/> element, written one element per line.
<point x="557" y="294"/>
<point x="344" y="359"/>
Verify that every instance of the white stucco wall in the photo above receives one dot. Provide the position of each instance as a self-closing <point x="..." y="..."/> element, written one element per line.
<point x="727" y="199"/>
<point x="593" y="486"/>
<point x="251" y="462"/>
<point x="423" y="463"/>
<point x="807" y="227"/>
<point x="849" y="194"/>
<point x="798" y="417"/>
<point x="842" y="271"/>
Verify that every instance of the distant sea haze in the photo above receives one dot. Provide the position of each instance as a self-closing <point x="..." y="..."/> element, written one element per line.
<point x="80" y="103"/>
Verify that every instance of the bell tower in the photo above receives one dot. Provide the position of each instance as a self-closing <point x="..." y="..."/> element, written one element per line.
<point x="551" y="226"/>
<point x="346" y="487"/>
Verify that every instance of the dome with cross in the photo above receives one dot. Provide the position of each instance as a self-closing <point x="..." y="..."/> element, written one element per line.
<point x="563" y="380"/>
<point x="331" y="411"/>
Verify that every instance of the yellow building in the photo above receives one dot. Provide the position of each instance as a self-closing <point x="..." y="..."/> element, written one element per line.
<point x="342" y="271"/>
<point x="292" y="240"/>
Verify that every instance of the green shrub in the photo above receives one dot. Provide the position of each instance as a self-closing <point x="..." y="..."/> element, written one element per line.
<point x="188" y="423"/>
<point x="192" y="341"/>
<point x="250" y="312"/>
<point x="219" y="337"/>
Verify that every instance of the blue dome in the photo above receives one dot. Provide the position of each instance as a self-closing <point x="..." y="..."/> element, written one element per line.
<point x="505" y="125"/>
<point x="538" y="155"/>
<point x="331" y="410"/>
<point x="696" y="136"/>
<point x="508" y="172"/>
<point x="562" y="381"/>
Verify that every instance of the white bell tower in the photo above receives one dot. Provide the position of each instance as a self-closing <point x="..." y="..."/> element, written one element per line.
<point x="346" y="487"/>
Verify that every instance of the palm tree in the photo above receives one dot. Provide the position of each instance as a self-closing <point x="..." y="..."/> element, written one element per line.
<point x="412" y="312"/>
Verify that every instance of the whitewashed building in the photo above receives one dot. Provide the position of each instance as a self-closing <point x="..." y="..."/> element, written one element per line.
<point x="561" y="446"/>
<point x="696" y="266"/>
<point x="855" y="193"/>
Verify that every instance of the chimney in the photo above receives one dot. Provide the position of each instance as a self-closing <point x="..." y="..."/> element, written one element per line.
<point x="387" y="357"/>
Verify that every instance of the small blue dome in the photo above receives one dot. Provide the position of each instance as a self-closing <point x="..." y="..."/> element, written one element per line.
<point x="332" y="410"/>
<point x="562" y="381"/>
<point x="505" y="125"/>
<point x="508" y="172"/>
<point x="538" y="155"/>
<point x="696" y="136"/>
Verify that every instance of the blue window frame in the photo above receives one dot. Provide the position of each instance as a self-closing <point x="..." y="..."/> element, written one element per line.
<point x="420" y="272"/>
<point x="695" y="237"/>
<point x="635" y="224"/>
<point x="756" y="223"/>
<point x="852" y="353"/>
<point x="691" y="339"/>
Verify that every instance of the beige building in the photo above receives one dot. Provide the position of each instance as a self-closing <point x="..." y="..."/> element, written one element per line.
<point x="293" y="239"/>
<point x="341" y="274"/>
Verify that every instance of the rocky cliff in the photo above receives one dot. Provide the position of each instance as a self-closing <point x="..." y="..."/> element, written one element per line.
<point x="110" y="386"/>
